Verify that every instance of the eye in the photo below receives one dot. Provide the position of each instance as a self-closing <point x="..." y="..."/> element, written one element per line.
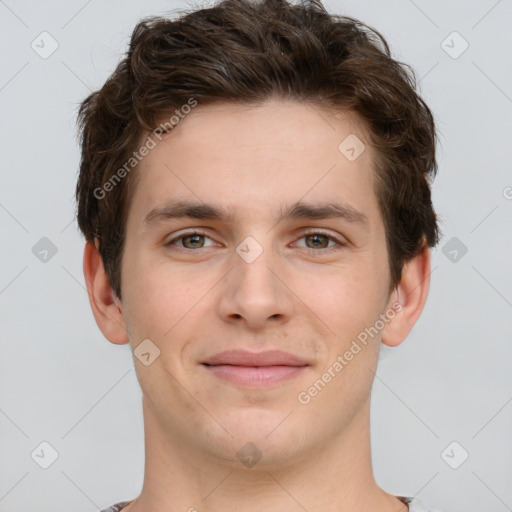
<point x="190" y="240"/>
<point x="320" y="240"/>
<point x="316" y="241"/>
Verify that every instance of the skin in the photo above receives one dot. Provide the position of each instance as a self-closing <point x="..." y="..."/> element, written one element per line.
<point x="296" y="296"/>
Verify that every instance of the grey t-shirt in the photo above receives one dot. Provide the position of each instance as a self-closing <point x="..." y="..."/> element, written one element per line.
<point x="414" y="504"/>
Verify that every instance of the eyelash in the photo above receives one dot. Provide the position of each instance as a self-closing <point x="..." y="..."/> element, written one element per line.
<point x="340" y="243"/>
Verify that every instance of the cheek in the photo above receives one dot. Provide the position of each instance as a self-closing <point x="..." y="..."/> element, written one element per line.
<point x="345" y="300"/>
<point x="166" y="305"/>
<point x="148" y="299"/>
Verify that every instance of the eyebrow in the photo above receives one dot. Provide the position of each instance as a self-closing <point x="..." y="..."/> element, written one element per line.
<point x="298" y="210"/>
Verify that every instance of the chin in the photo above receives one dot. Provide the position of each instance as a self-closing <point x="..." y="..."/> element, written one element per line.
<point x="260" y="439"/>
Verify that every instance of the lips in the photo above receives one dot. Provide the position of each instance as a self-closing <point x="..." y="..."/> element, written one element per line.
<point x="255" y="370"/>
<point x="245" y="358"/>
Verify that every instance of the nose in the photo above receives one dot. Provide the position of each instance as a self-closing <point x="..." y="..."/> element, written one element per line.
<point x="255" y="292"/>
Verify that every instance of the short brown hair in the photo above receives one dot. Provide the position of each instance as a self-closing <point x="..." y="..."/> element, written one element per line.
<point x="247" y="52"/>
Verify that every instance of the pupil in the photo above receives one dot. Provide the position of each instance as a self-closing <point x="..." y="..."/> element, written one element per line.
<point x="194" y="238"/>
<point x="316" y="237"/>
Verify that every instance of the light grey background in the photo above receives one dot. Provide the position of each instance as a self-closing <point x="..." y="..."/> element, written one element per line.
<point x="63" y="383"/>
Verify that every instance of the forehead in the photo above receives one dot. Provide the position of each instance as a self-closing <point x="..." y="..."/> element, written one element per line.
<point x="257" y="159"/>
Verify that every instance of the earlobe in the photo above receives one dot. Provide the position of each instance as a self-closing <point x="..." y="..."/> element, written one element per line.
<point x="412" y="292"/>
<point x="104" y="303"/>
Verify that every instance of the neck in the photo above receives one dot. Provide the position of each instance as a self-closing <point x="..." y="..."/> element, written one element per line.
<point x="334" y="477"/>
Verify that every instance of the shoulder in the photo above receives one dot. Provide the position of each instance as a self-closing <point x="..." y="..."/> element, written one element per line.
<point x="116" y="507"/>
<point x="415" y="505"/>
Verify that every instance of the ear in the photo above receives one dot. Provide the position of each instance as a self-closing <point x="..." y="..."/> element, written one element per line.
<point x="106" y="307"/>
<point x="410" y="296"/>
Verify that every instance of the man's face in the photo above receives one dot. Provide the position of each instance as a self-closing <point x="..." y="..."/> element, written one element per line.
<point x="301" y="285"/>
